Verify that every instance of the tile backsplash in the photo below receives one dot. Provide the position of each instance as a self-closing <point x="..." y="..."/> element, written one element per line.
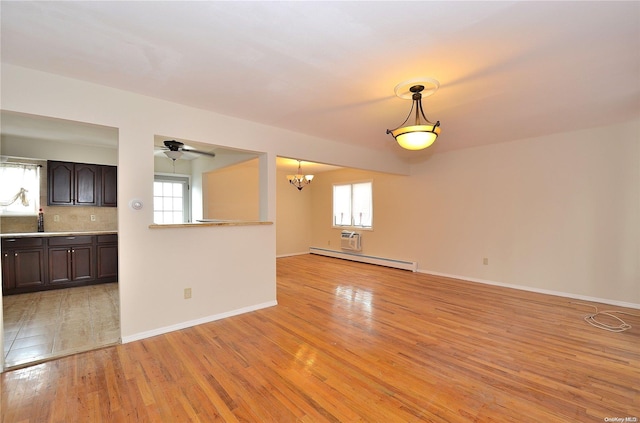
<point x="61" y="219"/>
<point x="64" y="219"/>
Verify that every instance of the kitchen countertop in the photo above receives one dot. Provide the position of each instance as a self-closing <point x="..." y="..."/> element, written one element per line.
<point x="50" y="234"/>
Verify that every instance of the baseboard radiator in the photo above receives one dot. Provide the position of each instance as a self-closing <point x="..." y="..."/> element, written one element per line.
<point x="381" y="261"/>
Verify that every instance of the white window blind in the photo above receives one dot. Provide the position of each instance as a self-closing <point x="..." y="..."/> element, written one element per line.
<point x="341" y="205"/>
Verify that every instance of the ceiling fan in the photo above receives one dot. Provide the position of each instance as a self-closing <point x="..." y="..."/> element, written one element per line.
<point x="175" y="150"/>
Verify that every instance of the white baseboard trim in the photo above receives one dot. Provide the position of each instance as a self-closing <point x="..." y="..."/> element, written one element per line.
<point x="190" y="323"/>
<point x="537" y="290"/>
<point x="380" y="261"/>
<point x="292" y="254"/>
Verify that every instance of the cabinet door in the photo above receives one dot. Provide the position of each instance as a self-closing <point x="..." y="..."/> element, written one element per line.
<point x="82" y="263"/>
<point x="8" y="275"/>
<point x="71" y="264"/>
<point x="109" y="188"/>
<point x="23" y="264"/>
<point x="60" y="183"/>
<point x="86" y="184"/>
<point x="108" y="261"/>
<point x="59" y="265"/>
<point x="29" y="268"/>
<point x="22" y="269"/>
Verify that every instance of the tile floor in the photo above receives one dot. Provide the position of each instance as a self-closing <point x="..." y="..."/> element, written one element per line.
<point x="42" y="325"/>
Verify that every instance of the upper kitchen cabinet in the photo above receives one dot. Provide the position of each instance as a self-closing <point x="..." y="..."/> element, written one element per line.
<point x="81" y="184"/>
<point x="72" y="184"/>
<point x="109" y="186"/>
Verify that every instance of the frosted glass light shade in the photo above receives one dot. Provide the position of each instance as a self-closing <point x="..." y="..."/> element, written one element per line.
<point x="416" y="137"/>
<point x="173" y="155"/>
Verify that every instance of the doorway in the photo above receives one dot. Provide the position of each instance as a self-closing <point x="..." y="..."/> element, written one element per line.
<point x="41" y="325"/>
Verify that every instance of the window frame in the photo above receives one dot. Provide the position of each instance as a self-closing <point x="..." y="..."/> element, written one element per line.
<point x="186" y="194"/>
<point x="352" y="224"/>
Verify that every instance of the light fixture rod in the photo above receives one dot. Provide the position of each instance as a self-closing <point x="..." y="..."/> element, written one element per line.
<point x="417" y="99"/>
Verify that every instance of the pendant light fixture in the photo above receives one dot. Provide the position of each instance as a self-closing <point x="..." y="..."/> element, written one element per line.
<point x="299" y="180"/>
<point x="420" y="133"/>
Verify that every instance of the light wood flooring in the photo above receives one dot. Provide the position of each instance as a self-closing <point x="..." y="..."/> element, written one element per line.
<point x="46" y="324"/>
<point x="351" y="342"/>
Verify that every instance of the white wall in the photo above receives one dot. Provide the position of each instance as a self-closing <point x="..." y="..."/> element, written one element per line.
<point x="232" y="192"/>
<point x="558" y="213"/>
<point x="157" y="264"/>
<point x="293" y="216"/>
<point x="554" y="214"/>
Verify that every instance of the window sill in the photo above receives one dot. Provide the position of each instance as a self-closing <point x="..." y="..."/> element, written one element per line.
<point x="354" y="228"/>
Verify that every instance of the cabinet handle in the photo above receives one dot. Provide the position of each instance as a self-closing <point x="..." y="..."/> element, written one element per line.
<point x="11" y="240"/>
<point x="15" y="254"/>
<point x="73" y="251"/>
<point x="71" y="237"/>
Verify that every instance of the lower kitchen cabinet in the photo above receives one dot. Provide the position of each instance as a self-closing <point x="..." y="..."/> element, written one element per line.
<point x="71" y="259"/>
<point x="107" y="252"/>
<point x="39" y="263"/>
<point x="23" y="264"/>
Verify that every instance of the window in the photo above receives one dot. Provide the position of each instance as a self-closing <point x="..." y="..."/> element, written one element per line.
<point x="353" y="205"/>
<point x="20" y="189"/>
<point x="171" y="199"/>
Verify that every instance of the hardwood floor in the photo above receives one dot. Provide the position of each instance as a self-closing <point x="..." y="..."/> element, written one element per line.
<point x="351" y="342"/>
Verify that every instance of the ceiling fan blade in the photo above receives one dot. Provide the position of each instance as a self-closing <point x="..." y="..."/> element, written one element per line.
<point x="189" y="150"/>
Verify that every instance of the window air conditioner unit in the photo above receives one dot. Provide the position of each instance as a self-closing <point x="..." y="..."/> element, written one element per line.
<point x="351" y="240"/>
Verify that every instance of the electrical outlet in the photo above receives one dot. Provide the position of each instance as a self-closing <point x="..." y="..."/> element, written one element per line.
<point x="329" y="242"/>
<point x="485" y="261"/>
<point x="187" y="293"/>
<point x="56" y="218"/>
<point x="93" y="217"/>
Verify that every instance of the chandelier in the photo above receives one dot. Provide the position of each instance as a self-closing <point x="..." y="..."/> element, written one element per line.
<point x="419" y="133"/>
<point x="299" y="180"/>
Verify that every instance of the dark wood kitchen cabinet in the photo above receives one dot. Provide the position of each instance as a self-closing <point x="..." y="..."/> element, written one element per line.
<point x="109" y="186"/>
<point x="72" y="184"/>
<point x="23" y="264"/>
<point x="107" y="255"/>
<point x="39" y="263"/>
<point x="81" y="184"/>
<point x="71" y="259"/>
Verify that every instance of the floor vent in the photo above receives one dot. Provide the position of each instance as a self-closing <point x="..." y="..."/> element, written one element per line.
<point x="381" y="261"/>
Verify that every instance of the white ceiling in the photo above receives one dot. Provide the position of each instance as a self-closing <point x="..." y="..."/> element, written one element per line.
<point x="26" y="126"/>
<point x="507" y="70"/>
